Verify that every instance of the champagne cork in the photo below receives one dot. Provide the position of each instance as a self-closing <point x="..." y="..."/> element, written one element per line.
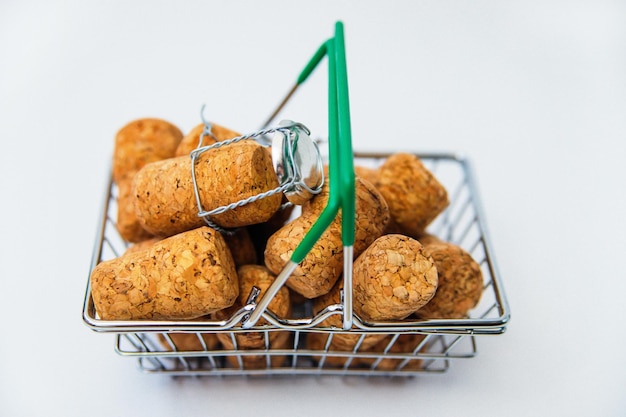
<point x="367" y="173"/>
<point x="189" y="342"/>
<point x="392" y="279"/>
<point x="192" y="139"/>
<point x="185" y="276"/>
<point x="140" y="246"/>
<point x="393" y="228"/>
<point x="282" y="340"/>
<point x="260" y="277"/>
<point x="415" y="197"/>
<point x="405" y="343"/>
<point x="323" y="265"/>
<point x="128" y="224"/>
<point x="165" y="200"/>
<point x="143" y="141"/>
<point x="460" y="281"/>
<point x="240" y="244"/>
<point x="340" y="341"/>
<point x="136" y="144"/>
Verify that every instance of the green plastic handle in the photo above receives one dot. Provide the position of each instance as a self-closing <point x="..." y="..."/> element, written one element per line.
<point x="346" y="176"/>
<point x="312" y="64"/>
<point x="341" y="164"/>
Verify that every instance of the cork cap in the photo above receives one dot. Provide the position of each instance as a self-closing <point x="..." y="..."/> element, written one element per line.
<point x="414" y="195"/>
<point x="393" y="278"/>
<point x="143" y="141"/>
<point x="191" y="140"/>
<point x="184" y="342"/>
<point x="460" y="281"/>
<point x="341" y="341"/>
<point x="405" y="343"/>
<point x="260" y="277"/>
<point x="185" y="276"/>
<point x="296" y="156"/>
<point x="279" y="340"/>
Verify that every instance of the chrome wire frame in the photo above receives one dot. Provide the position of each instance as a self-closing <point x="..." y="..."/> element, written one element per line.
<point x="433" y="355"/>
<point x="461" y="223"/>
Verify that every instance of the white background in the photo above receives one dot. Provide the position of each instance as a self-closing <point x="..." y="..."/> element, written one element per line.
<point x="533" y="92"/>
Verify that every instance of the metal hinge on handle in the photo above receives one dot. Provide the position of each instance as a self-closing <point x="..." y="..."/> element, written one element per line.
<point x="341" y="169"/>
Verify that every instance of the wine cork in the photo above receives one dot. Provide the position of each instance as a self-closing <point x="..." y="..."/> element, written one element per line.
<point x="260" y="277"/>
<point x="393" y="228"/>
<point x="143" y="141"/>
<point x="323" y="265"/>
<point x="282" y="340"/>
<point x="405" y="343"/>
<point x="460" y="281"/>
<point x="136" y="144"/>
<point x="370" y="174"/>
<point x="345" y="342"/>
<point x="140" y="246"/>
<point x="185" y="276"/>
<point x="392" y="279"/>
<point x="189" y="342"/>
<point x="415" y="197"/>
<point x="240" y="244"/>
<point x="191" y="140"/>
<point x="128" y="225"/>
<point x="165" y="200"/>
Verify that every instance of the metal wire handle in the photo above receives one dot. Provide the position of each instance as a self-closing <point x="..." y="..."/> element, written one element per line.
<point x="286" y="184"/>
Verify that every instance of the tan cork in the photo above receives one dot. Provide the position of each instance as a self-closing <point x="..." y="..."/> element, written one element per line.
<point x="392" y="279"/>
<point x="367" y="173"/>
<point x="128" y="224"/>
<point x="460" y="281"/>
<point x="282" y="340"/>
<point x="136" y="144"/>
<point x="405" y="343"/>
<point x="344" y="342"/>
<point x="143" y="141"/>
<point x="188" y="342"/>
<point x="260" y="277"/>
<point x="140" y="246"/>
<point x="414" y="195"/>
<point x="185" y="276"/>
<point x="191" y="140"/>
<point x="323" y="265"/>
<point x="240" y="244"/>
<point x="165" y="201"/>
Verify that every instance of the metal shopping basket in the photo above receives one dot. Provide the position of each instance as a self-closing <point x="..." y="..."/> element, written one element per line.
<point x="429" y="345"/>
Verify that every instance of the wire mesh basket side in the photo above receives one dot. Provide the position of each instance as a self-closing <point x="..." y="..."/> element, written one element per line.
<point x="431" y="353"/>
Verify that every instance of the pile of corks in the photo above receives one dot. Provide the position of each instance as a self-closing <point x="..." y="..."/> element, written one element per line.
<point x="178" y="268"/>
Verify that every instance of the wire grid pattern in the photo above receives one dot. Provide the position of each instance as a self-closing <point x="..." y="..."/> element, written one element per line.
<point x="404" y="349"/>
